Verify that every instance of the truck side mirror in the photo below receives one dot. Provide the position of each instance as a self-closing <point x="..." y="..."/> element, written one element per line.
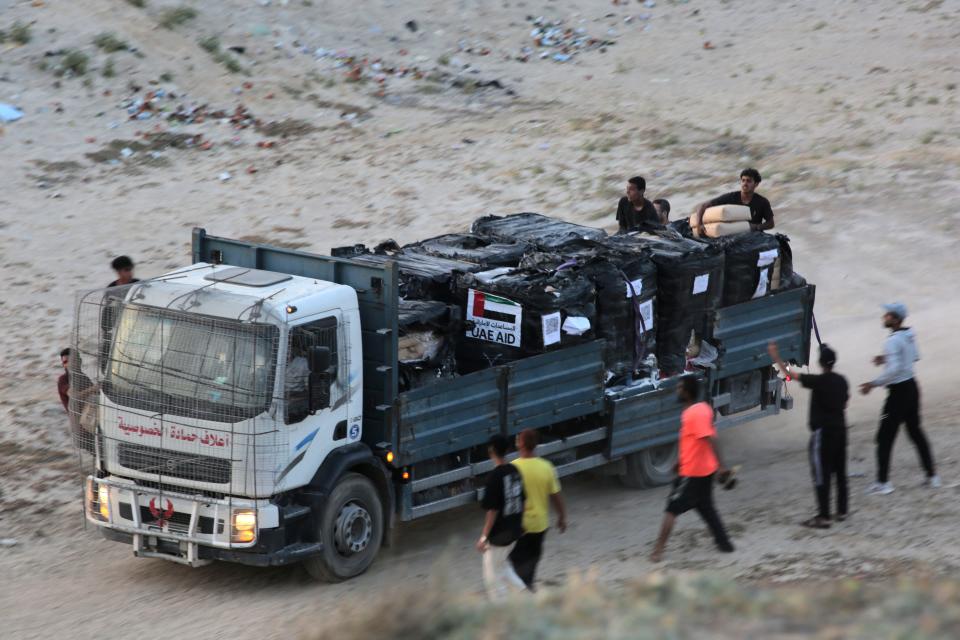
<point x="319" y="359"/>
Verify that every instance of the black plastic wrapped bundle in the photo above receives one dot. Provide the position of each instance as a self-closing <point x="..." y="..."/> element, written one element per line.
<point x="689" y="290"/>
<point x="749" y="260"/>
<point x="422" y="276"/>
<point x="473" y="248"/>
<point x="544" y="302"/>
<point x="788" y="278"/>
<point x="542" y="231"/>
<point x="428" y="332"/>
<point x="625" y="279"/>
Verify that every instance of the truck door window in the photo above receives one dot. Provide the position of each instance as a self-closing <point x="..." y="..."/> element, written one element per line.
<point x="319" y="333"/>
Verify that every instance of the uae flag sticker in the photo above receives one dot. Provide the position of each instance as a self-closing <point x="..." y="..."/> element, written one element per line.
<point x="493" y="318"/>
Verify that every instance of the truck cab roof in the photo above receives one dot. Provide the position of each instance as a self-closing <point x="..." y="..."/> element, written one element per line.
<point x="233" y="292"/>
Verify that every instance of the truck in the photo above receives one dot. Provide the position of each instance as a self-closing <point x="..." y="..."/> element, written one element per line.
<point x="247" y="408"/>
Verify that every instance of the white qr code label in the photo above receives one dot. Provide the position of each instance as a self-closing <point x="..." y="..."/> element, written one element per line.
<point x="551" y="328"/>
<point x="701" y="283"/>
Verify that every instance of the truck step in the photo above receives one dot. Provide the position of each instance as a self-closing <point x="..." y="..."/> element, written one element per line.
<point x="294" y="511"/>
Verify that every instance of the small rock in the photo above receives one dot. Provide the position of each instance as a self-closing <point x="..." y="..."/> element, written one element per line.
<point x="8" y="542"/>
<point x="225" y="176"/>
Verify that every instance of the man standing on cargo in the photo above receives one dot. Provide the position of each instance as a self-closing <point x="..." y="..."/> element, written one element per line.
<point x="761" y="213"/>
<point x="503" y="524"/>
<point x="634" y="211"/>
<point x="903" y="400"/>
<point x="698" y="464"/>
<point x="541" y="486"/>
<point x="828" y="431"/>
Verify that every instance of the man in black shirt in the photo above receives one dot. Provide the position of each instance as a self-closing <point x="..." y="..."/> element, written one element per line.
<point x="761" y="214"/>
<point x="828" y="426"/>
<point x="503" y="501"/>
<point x="123" y="265"/>
<point x="634" y="211"/>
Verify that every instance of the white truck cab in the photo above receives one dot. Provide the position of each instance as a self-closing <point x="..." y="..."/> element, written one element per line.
<point x="208" y="390"/>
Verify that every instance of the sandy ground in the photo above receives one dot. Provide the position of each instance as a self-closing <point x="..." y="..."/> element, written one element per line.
<point x="848" y="109"/>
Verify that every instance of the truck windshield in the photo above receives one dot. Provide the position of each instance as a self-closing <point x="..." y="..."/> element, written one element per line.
<point x="190" y="365"/>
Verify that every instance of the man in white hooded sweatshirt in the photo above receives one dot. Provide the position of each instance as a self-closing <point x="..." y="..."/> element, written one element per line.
<point x="903" y="399"/>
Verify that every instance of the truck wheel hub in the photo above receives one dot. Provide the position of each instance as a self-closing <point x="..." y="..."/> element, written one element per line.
<point x="353" y="530"/>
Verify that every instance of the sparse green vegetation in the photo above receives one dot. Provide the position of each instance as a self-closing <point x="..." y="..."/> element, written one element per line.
<point x="933" y="100"/>
<point x="139" y="4"/>
<point x="166" y="76"/>
<point x="666" y="141"/>
<point x="108" y="69"/>
<point x="110" y="43"/>
<point x="443" y="60"/>
<point x="428" y="88"/>
<point x="820" y="25"/>
<point x="176" y="16"/>
<point x="665" y="607"/>
<point x="74" y="62"/>
<point x="232" y="64"/>
<point x="928" y="137"/>
<point x="951" y="86"/>
<point x="20" y="32"/>
<point x="88" y="82"/>
<point x="210" y="44"/>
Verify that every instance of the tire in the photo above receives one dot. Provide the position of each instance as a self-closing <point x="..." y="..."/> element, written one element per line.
<point x="351" y="529"/>
<point x="651" y="467"/>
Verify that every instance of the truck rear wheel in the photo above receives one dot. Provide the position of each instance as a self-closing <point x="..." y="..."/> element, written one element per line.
<point x="351" y="529"/>
<point x="651" y="467"/>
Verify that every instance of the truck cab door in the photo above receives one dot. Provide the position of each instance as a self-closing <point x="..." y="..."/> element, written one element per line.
<point x="316" y="402"/>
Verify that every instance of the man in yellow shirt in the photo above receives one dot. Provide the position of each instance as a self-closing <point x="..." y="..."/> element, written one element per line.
<point x="541" y="487"/>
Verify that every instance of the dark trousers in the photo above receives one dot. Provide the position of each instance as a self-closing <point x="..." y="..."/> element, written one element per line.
<point x="526" y="555"/>
<point x="697" y="494"/>
<point x="828" y="460"/>
<point x="902" y="407"/>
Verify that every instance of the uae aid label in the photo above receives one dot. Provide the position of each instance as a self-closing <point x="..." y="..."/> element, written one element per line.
<point x="493" y="318"/>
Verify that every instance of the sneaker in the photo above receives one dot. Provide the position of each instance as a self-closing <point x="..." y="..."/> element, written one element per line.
<point x="933" y="482"/>
<point x="880" y="489"/>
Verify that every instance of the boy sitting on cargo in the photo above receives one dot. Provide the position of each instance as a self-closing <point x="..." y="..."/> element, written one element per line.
<point x="761" y="214"/>
<point x="663" y="210"/>
<point x="633" y="210"/>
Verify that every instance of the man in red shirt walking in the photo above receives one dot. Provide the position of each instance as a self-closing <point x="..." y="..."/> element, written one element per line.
<point x="699" y="463"/>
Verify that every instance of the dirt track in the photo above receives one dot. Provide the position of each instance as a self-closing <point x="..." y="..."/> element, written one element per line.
<point x="850" y="117"/>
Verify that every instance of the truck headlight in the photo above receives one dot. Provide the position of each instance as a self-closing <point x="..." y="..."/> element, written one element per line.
<point x="244" y="525"/>
<point x="103" y="497"/>
<point x="98" y="500"/>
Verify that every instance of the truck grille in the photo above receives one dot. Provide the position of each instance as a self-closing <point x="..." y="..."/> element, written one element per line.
<point x="174" y="464"/>
<point x="178" y="522"/>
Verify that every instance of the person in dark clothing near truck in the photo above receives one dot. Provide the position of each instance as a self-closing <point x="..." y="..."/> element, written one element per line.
<point x="903" y="400"/>
<point x="663" y="210"/>
<point x="123" y="266"/>
<point x="77" y="402"/>
<point x="503" y="502"/>
<point x="761" y="213"/>
<point x="828" y="431"/>
<point x="634" y="211"/>
<point x="698" y="466"/>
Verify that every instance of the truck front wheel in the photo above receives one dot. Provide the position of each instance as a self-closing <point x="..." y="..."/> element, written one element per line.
<point x="651" y="467"/>
<point x="351" y="529"/>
